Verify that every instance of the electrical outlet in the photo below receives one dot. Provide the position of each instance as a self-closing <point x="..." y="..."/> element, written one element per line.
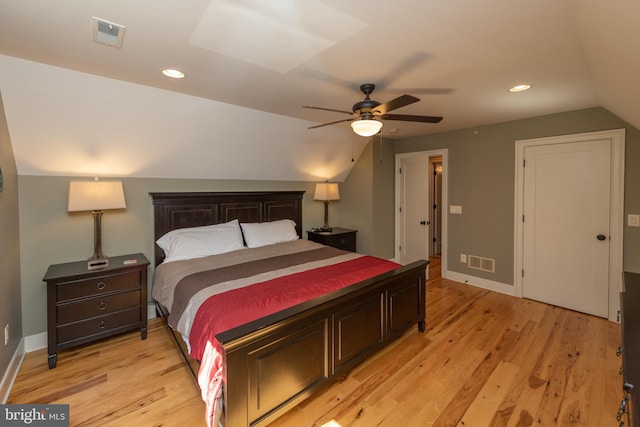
<point x="463" y="258"/>
<point x="6" y="334"/>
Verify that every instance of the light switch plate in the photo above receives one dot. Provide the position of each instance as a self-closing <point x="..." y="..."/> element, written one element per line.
<point x="455" y="209"/>
<point x="633" y="220"/>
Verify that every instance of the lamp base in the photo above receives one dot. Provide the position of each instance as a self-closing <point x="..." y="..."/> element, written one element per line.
<point x="97" y="260"/>
<point x="97" y="264"/>
<point x="325" y="229"/>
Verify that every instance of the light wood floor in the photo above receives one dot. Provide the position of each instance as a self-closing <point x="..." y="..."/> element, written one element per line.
<point x="486" y="359"/>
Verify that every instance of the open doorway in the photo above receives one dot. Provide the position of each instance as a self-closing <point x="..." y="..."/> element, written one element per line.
<point x="435" y="203"/>
<point x="418" y="190"/>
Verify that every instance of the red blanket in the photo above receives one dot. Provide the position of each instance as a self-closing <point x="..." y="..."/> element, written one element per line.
<point x="234" y="308"/>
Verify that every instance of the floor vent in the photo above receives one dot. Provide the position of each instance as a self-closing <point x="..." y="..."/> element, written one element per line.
<point x="481" y="263"/>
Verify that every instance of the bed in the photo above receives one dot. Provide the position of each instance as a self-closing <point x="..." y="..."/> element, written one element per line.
<point x="271" y="363"/>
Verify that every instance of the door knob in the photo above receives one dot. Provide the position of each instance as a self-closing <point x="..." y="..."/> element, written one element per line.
<point x="601" y="237"/>
<point x="424" y="223"/>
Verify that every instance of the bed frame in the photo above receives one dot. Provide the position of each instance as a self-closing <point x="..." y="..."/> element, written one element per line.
<point x="273" y="363"/>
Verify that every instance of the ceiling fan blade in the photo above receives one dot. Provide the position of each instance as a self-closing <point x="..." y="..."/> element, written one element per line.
<point x="398" y="102"/>
<point x="331" y="123"/>
<point x="327" y="109"/>
<point x="410" y="118"/>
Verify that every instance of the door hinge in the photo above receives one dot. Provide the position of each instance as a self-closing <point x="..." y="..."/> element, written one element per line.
<point x="523" y="272"/>
<point x="400" y="209"/>
<point x="400" y="170"/>
<point x="522" y="218"/>
<point x="524" y="163"/>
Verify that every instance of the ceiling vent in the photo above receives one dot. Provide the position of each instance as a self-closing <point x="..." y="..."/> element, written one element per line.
<point x="106" y="32"/>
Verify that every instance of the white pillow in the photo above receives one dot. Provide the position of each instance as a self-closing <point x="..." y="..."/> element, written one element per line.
<point x="267" y="233"/>
<point x="198" y="242"/>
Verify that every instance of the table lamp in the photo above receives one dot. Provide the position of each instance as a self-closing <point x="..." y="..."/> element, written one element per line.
<point x="326" y="192"/>
<point x="96" y="196"/>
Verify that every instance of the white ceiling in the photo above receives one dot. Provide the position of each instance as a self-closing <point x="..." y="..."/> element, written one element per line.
<point x="458" y="56"/>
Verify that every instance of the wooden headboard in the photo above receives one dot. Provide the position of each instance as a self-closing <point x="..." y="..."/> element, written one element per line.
<point x="194" y="209"/>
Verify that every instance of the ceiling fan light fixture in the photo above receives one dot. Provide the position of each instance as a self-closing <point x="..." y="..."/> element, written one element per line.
<point x="366" y="127"/>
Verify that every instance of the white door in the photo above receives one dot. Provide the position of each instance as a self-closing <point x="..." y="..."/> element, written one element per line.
<point x="413" y="215"/>
<point x="566" y="225"/>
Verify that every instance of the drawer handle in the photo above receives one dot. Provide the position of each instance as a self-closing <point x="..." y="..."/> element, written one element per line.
<point x="102" y="305"/>
<point x="101" y="285"/>
<point x="342" y="241"/>
<point x="102" y="324"/>
<point x="619" y="351"/>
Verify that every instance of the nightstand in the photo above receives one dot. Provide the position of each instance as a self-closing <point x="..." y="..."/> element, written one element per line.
<point x="341" y="238"/>
<point x="87" y="305"/>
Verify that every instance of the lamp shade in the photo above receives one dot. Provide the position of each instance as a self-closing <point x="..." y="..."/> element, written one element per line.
<point x="327" y="191"/>
<point x="366" y="127"/>
<point x="95" y="196"/>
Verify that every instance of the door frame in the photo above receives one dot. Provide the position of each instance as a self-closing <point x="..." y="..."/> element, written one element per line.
<point x="616" y="217"/>
<point x="445" y="172"/>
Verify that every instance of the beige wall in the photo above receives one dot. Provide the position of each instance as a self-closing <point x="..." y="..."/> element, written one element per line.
<point x="364" y="199"/>
<point x="482" y="179"/>
<point x="10" y="307"/>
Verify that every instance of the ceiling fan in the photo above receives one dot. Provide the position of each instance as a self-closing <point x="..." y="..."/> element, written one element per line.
<point x="366" y="114"/>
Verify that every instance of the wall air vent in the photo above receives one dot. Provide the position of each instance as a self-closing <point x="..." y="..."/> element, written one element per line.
<point x="481" y="263"/>
<point x="106" y="32"/>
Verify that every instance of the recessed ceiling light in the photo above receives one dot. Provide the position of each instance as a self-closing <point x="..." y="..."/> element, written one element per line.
<point x="174" y="74"/>
<point x="520" y="88"/>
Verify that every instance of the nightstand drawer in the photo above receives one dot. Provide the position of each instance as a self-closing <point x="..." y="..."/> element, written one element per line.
<point x="97" y="285"/>
<point x="338" y="237"/>
<point x="98" y="325"/>
<point x="345" y="241"/>
<point x="99" y="306"/>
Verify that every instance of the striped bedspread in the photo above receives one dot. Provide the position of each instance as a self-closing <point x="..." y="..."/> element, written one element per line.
<point x="206" y="296"/>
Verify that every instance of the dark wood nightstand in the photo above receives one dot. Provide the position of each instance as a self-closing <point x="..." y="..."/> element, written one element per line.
<point x="87" y="305"/>
<point x="341" y="238"/>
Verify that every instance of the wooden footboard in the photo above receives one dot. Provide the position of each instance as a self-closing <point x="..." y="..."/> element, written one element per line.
<point x="274" y="363"/>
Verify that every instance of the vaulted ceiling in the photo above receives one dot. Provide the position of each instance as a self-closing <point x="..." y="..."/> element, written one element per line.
<point x="77" y="106"/>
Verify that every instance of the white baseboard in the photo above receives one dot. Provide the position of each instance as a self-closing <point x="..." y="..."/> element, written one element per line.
<point x="151" y="310"/>
<point x="479" y="282"/>
<point x="35" y="342"/>
<point x="11" y="373"/>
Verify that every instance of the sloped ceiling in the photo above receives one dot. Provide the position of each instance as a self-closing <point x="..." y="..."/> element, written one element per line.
<point x="75" y="106"/>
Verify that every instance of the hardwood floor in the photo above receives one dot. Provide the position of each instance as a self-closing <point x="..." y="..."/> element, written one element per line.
<point x="121" y="381"/>
<point x="486" y="359"/>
